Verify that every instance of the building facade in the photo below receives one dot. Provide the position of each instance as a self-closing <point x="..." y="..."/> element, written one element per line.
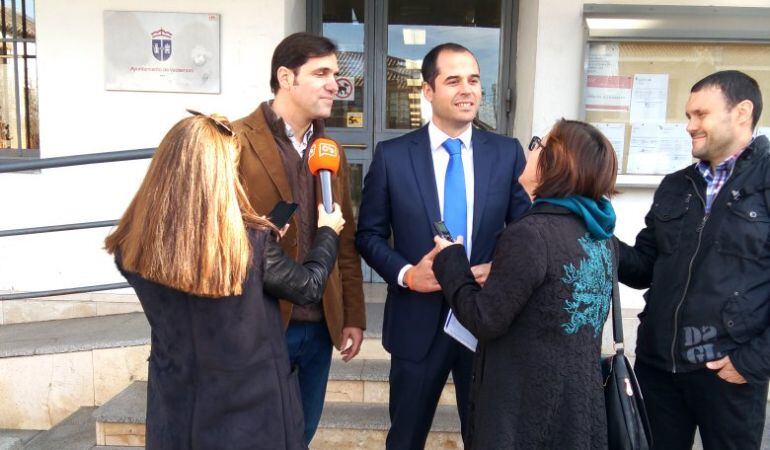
<point x="532" y="55"/>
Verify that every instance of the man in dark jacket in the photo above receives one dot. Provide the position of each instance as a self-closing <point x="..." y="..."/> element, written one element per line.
<point x="703" y="346"/>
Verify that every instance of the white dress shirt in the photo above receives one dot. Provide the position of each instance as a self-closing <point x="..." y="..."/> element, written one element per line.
<point x="299" y="146"/>
<point x="440" y="158"/>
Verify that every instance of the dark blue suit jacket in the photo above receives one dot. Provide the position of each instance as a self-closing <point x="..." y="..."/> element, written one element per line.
<point x="400" y="194"/>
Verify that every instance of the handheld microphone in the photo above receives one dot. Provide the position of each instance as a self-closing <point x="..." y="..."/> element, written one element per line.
<point x="324" y="161"/>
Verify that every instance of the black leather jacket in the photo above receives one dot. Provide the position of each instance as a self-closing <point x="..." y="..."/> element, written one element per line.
<point x="708" y="275"/>
<point x="300" y="283"/>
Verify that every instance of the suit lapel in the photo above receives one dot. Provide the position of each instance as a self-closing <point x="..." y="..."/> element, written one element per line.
<point x="422" y="163"/>
<point x="263" y="145"/>
<point x="483" y="162"/>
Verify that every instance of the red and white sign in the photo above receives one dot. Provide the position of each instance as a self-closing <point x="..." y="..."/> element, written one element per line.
<point x="347" y="89"/>
<point x="608" y="93"/>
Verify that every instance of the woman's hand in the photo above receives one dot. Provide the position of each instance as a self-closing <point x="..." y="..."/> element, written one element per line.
<point x="442" y="243"/>
<point x="282" y="231"/>
<point x="332" y="220"/>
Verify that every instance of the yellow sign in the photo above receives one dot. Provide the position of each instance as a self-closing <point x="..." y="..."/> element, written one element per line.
<point x="355" y="120"/>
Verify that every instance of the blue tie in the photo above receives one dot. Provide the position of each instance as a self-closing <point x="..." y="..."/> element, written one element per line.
<point x="455" y="203"/>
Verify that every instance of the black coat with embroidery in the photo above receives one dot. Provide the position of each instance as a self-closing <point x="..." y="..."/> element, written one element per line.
<point x="539" y="318"/>
<point x="708" y="275"/>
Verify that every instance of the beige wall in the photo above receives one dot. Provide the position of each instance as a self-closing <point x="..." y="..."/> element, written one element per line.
<point x="78" y="116"/>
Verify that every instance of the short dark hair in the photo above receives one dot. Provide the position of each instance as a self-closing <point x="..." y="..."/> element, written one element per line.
<point x="429" y="69"/>
<point x="577" y="159"/>
<point x="295" y="50"/>
<point x="736" y="86"/>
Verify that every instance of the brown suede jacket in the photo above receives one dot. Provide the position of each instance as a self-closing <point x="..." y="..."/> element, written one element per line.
<point x="265" y="181"/>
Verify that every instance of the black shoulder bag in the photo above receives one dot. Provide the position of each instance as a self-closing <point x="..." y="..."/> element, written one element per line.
<point x="627" y="425"/>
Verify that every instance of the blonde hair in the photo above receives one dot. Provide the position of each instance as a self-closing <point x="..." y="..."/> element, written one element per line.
<point x="186" y="226"/>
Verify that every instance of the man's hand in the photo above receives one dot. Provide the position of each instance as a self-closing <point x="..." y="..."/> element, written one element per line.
<point x="726" y="371"/>
<point x="420" y="278"/>
<point x="354" y="334"/>
<point x="481" y="272"/>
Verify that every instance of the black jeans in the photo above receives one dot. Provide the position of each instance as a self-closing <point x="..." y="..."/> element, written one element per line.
<point x="729" y="416"/>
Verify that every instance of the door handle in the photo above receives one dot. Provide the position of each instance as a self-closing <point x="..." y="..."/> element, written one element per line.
<point x="360" y="146"/>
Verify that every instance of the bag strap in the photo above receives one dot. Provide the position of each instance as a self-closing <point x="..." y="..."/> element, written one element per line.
<point x="617" y="319"/>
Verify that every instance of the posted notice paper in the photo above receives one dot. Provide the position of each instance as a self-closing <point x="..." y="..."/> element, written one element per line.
<point x="658" y="148"/>
<point x="608" y="93"/>
<point x="603" y="59"/>
<point x="649" y="97"/>
<point x="616" y="134"/>
<point x="454" y="328"/>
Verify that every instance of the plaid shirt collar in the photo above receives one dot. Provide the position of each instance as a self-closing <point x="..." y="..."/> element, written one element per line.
<point x="715" y="180"/>
<point x="723" y="170"/>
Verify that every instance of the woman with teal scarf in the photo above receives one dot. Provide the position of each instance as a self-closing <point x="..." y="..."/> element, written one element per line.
<point x="540" y="314"/>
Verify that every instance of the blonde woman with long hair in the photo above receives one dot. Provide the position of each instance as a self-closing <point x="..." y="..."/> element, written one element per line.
<point x="207" y="270"/>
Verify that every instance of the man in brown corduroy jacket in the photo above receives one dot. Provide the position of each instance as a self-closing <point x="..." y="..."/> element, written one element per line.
<point x="274" y="167"/>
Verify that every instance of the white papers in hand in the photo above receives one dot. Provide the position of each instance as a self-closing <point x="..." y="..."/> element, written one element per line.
<point x="453" y="328"/>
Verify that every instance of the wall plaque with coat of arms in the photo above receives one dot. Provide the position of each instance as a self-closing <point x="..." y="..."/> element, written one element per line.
<point x="161" y="52"/>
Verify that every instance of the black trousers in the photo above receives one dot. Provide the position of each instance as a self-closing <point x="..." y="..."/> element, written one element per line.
<point x="415" y="388"/>
<point x="729" y="416"/>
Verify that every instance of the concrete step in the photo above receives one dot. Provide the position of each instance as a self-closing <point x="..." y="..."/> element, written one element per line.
<point x="121" y="330"/>
<point x="349" y="425"/>
<point x="369" y="416"/>
<point x="96" y="304"/>
<point x="72" y="306"/>
<point x="120" y="421"/>
<point x="115" y="447"/>
<point x="343" y="426"/>
<point x="48" y="370"/>
<point x="15" y="439"/>
<point x="366" y="381"/>
<point x="76" y="432"/>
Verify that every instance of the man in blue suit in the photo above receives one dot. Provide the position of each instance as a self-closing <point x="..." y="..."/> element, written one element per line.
<point x="443" y="171"/>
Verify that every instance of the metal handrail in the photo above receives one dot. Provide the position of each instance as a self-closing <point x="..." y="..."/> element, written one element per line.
<point x="55" y="292"/>
<point x="74" y="160"/>
<point x="55" y="228"/>
<point x="67" y="161"/>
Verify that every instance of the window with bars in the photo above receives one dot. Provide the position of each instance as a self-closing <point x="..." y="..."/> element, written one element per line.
<point x="19" y="129"/>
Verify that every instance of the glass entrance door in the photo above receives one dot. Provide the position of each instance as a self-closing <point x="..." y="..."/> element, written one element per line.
<point x="413" y="29"/>
<point x="381" y="46"/>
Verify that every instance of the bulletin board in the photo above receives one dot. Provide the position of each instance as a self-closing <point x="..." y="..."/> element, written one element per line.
<point x="636" y="92"/>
